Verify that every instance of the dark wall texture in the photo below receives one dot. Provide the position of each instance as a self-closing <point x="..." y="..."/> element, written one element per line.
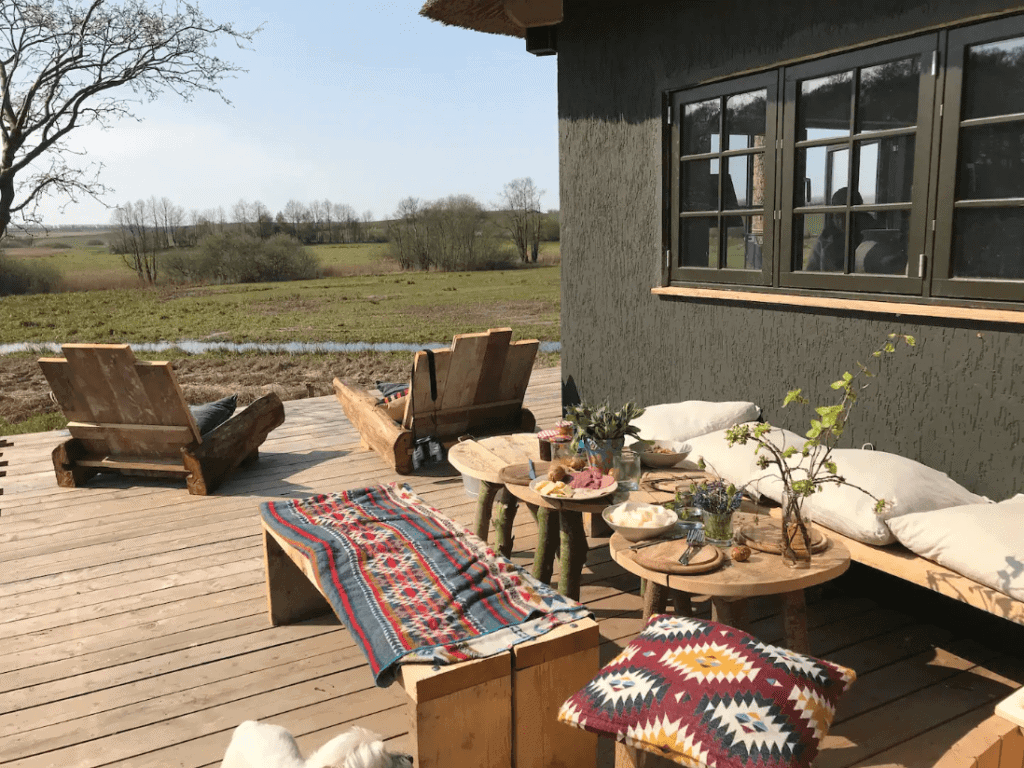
<point x="955" y="403"/>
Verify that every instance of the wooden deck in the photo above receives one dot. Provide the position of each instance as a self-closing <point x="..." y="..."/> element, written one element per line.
<point x="134" y="630"/>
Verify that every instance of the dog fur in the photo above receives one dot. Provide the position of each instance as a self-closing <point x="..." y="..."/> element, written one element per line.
<point x="262" y="745"/>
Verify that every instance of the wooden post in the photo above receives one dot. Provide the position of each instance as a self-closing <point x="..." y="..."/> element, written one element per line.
<point x="547" y="541"/>
<point x="655" y="599"/>
<point x="794" y="621"/>
<point x="682" y="603"/>
<point x="574" y="552"/>
<point x="65" y="457"/>
<point x="484" y="503"/>
<point x="731" y="611"/>
<point x="292" y="594"/>
<point x="504" y="517"/>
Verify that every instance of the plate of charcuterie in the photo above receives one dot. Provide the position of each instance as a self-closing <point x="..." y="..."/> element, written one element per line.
<point x="584" y="485"/>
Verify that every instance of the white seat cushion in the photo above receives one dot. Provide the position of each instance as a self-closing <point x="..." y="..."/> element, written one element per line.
<point x="736" y="464"/>
<point x="681" y="421"/>
<point x="912" y="486"/>
<point x="984" y="542"/>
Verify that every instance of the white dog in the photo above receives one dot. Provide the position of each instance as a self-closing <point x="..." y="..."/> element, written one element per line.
<point x="261" y="745"/>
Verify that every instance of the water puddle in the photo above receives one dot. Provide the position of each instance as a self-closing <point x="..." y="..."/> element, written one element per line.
<point x="290" y="347"/>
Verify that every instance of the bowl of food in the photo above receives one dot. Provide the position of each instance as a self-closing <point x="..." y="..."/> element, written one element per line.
<point x="663" y="454"/>
<point x="636" y="520"/>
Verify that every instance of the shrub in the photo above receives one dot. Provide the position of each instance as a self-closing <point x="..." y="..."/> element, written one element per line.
<point x="95" y="242"/>
<point x="236" y="257"/>
<point x="23" y="277"/>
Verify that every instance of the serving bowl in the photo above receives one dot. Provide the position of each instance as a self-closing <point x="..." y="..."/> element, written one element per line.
<point x="639" y="533"/>
<point x="660" y="460"/>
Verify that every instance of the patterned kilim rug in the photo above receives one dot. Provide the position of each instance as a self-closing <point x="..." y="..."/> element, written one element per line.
<point x="412" y="585"/>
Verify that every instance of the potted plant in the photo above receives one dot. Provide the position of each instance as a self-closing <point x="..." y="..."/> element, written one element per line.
<point x="601" y="430"/>
<point x="716" y="502"/>
<point x="804" y="471"/>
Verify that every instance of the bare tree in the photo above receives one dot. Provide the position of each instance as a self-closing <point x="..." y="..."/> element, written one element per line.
<point x="243" y="214"/>
<point x="296" y="213"/>
<point x="264" y="220"/>
<point x="345" y="215"/>
<point x="520" y="206"/>
<point x="65" y="64"/>
<point x="135" y="238"/>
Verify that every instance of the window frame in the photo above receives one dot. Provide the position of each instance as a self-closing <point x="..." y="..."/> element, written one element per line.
<point x="676" y="99"/>
<point x="930" y="240"/>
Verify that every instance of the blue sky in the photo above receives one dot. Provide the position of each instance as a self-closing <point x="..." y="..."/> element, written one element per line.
<point x="359" y="103"/>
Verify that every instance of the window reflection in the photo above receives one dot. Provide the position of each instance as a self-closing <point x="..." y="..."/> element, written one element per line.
<point x="698" y="242"/>
<point x="994" y="79"/>
<point x="885" y="170"/>
<point x="989" y="242"/>
<point x="745" y="118"/>
<point x="991" y="162"/>
<point x="700" y="127"/>
<point x="880" y="242"/>
<point x="700" y="185"/>
<point x="823" y="107"/>
<point x="887" y="95"/>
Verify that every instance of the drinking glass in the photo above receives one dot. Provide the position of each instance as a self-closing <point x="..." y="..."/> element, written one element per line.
<point x="627" y="465"/>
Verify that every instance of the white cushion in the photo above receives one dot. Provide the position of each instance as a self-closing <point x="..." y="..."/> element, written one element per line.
<point x="736" y="464"/>
<point x="912" y="487"/>
<point x="984" y="542"/>
<point x="681" y="421"/>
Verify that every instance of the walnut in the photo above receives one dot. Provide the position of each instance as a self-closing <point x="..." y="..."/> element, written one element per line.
<point x="741" y="554"/>
<point x="557" y="472"/>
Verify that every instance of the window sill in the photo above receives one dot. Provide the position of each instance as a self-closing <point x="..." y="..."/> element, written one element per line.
<point x="852" y="305"/>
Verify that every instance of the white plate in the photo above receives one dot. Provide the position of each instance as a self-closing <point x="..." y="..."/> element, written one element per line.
<point x="577" y="494"/>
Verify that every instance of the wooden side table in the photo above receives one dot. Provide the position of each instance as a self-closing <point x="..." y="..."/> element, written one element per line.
<point x="731" y="585"/>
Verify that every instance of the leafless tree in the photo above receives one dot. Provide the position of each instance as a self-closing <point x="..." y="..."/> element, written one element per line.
<point x="296" y="213"/>
<point x="345" y="215"/>
<point x="136" y="239"/>
<point x="519" y="204"/>
<point x="243" y="214"/>
<point x="65" y="64"/>
<point x="264" y="220"/>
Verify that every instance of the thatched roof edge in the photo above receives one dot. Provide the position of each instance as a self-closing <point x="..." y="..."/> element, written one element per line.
<point x="480" y="15"/>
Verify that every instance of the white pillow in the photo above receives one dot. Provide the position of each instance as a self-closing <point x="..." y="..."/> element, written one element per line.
<point x="912" y="487"/>
<point x="984" y="542"/>
<point x="736" y="464"/>
<point x="681" y="421"/>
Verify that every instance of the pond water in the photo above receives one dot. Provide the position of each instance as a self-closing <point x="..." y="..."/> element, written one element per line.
<point x="193" y="347"/>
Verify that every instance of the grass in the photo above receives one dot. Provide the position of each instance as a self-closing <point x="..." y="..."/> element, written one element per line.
<point x="44" y="422"/>
<point x="414" y="307"/>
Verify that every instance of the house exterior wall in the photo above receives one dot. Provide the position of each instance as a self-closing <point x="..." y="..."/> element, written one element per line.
<point x="955" y="403"/>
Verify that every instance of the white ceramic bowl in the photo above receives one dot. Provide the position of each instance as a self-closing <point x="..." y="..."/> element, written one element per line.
<point x="636" y="533"/>
<point x="658" y="460"/>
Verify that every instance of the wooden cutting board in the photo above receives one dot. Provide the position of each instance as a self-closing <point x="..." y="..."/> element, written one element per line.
<point x="768" y="538"/>
<point x="664" y="558"/>
<point x="519" y="474"/>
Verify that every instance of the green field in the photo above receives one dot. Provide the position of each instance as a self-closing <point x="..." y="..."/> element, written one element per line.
<point x="407" y="307"/>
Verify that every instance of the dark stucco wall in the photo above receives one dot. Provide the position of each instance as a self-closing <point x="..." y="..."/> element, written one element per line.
<point x="955" y="403"/>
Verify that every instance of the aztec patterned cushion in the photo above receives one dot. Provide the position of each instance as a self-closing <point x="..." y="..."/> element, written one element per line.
<point x="704" y="694"/>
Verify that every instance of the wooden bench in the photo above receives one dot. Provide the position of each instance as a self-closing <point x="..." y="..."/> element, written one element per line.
<point x="478" y="388"/>
<point x="493" y="712"/>
<point x="129" y="416"/>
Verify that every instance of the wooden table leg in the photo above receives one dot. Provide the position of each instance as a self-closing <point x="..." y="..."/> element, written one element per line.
<point x="794" y="621"/>
<point x="574" y="552"/>
<point x="655" y="599"/>
<point x="484" y="502"/>
<point x="504" y="517"/>
<point x="547" y="542"/>
<point x="681" y="602"/>
<point x="730" y="611"/>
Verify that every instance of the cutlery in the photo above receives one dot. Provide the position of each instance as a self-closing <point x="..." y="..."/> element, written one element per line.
<point x="533" y="470"/>
<point x="694" y="541"/>
<point x="651" y="543"/>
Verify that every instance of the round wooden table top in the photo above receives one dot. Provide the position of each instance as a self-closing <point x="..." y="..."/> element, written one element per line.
<point x="483" y="459"/>
<point x="762" y="574"/>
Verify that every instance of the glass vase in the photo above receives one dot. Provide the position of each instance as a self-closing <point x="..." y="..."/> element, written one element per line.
<point x="796" y="535"/>
<point x="718" y="528"/>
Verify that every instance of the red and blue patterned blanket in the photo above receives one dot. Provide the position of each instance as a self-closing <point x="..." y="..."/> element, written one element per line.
<point x="412" y="585"/>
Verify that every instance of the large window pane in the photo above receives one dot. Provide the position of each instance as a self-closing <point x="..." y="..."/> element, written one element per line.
<point x="823" y="107"/>
<point x="698" y="242"/>
<point x="880" y="242"/>
<point x="994" y="79"/>
<point x="885" y="170"/>
<point x="887" y="95"/>
<point x="991" y="162"/>
<point x="745" y="119"/>
<point x="743" y="246"/>
<point x="745" y="181"/>
<point x="700" y="127"/>
<point x="819" y="242"/>
<point x="989" y="242"/>
<point x="699" y="185"/>
<point x="822" y="175"/>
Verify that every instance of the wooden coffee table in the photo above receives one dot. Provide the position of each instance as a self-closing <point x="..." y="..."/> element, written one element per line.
<point x="731" y="585"/>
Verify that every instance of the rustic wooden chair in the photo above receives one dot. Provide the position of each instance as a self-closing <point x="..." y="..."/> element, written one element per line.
<point x="475" y="387"/>
<point x="129" y="416"/>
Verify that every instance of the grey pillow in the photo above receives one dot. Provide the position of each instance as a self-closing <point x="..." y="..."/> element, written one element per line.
<point x="209" y="416"/>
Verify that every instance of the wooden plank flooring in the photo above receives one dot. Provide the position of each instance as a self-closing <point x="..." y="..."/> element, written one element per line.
<point x="134" y="631"/>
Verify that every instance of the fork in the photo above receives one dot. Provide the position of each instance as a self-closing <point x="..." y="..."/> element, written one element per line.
<point x="694" y="541"/>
